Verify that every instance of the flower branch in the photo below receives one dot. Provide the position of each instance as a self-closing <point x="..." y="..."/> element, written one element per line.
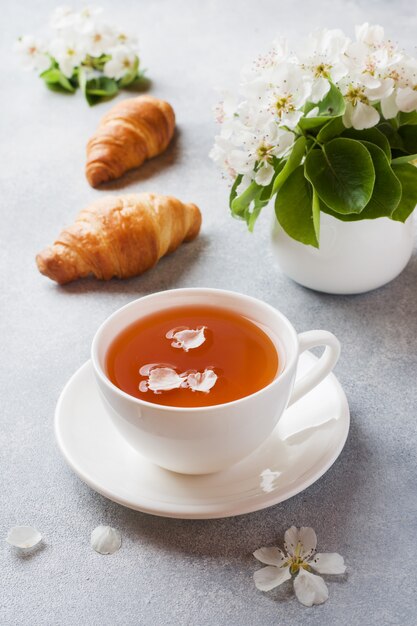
<point x="84" y="52"/>
<point x="331" y="127"/>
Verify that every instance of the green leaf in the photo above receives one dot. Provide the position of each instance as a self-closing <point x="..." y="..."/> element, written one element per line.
<point x="98" y="63"/>
<point x="408" y="134"/>
<point x="293" y="161"/>
<point x="392" y="135"/>
<point x="294" y="208"/>
<point x="387" y="189"/>
<point x="343" y="174"/>
<point x="97" y="89"/>
<point x="332" y="129"/>
<point x="248" y="205"/>
<point x="407" y="175"/>
<point x="316" y="214"/>
<point x="82" y="79"/>
<point x="54" y="76"/>
<point x="233" y="191"/>
<point x="241" y="205"/>
<point x="405" y="159"/>
<point x="102" y="86"/>
<point x="407" y="118"/>
<point x="332" y="105"/>
<point x="372" y="135"/>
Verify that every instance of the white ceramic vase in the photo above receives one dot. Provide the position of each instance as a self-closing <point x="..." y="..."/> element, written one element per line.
<point x="353" y="257"/>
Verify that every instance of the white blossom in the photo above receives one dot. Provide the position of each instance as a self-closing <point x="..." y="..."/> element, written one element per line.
<point x="32" y="53"/>
<point x="321" y="56"/>
<point x="122" y="61"/>
<point x="299" y="558"/>
<point x="98" y="40"/>
<point x="68" y="52"/>
<point x="283" y="87"/>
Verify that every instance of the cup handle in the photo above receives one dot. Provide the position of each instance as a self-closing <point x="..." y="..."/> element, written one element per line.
<point x="324" y="365"/>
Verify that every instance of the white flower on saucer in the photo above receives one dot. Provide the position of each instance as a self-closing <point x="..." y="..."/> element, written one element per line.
<point x="32" y="53"/>
<point x="186" y="338"/>
<point x="122" y="61"/>
<point x="299" y="558"/>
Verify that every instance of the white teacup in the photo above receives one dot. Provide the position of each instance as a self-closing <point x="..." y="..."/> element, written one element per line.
<point x="201" y="440"/>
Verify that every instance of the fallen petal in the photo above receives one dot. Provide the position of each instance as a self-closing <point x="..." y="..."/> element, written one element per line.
<point x="202" y="381"/>
<point x="187" y="339"/>
<point x="328" y="563"/>
<point x="164" y="379"/>
<point x="270" y="556"/>
<point x="105" y="540"/>
<point x="310" y="589"/>
<point x="270" y="577"/>
<point x="23" y="537"/>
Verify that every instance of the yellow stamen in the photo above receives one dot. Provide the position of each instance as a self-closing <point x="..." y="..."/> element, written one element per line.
<point x="322" y="70"/>
<point x="356" y="94"/>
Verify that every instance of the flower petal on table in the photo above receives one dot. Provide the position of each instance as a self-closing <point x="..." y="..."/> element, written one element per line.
<point x="305" y="536"/>
<point x="328" y="563"/>
<point x="308" y="539"/>
<point x="106" y="540"/>
<point x="23" y="537"/>
<point x="270" y="556"/>
<point x="291" y="539"/>
<point x="310" y="589"/>
<point x="269" y="577"/>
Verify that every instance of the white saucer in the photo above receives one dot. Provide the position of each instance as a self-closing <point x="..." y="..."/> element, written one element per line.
<point x="306" y="442"/>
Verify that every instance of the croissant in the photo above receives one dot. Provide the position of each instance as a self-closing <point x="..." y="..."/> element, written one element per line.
<point x="119" y="236"/>
<point x="132" y="131"/>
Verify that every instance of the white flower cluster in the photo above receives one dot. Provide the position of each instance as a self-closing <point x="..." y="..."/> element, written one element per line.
<point x="78" y="36"/>
<point x="372" y="74"/>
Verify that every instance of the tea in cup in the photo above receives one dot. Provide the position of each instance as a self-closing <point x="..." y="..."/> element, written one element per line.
<point x="196" y="379"/>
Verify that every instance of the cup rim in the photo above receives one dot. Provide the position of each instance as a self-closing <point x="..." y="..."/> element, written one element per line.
<point x="290" y="362"/>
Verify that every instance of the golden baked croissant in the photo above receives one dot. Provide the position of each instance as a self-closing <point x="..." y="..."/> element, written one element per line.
<point x="132" y="131"/>
<point x="120" y="236"/>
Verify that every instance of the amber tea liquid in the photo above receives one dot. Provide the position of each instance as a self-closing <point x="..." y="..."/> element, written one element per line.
<point x="235" y="350"/>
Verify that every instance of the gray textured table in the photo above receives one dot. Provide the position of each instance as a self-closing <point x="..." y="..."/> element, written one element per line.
<point x="171" y="571"/>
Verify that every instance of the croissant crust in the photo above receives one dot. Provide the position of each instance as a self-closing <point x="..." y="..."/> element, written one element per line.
<point x="132" y="131"/>
<point x="119" y="236"/>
